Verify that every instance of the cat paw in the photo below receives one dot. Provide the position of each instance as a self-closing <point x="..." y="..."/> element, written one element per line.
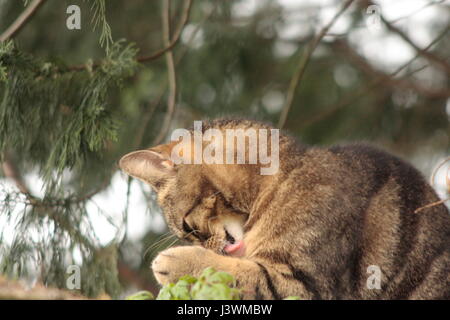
<point x="173" y="263"/>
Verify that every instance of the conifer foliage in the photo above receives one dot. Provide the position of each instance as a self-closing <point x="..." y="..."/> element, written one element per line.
<point x="54" y="117"/>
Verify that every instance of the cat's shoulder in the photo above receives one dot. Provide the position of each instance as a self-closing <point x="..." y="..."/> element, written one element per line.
<point x="373" y="158"/>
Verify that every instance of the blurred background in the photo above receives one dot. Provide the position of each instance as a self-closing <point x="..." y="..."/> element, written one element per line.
<point x="72" y="102"/>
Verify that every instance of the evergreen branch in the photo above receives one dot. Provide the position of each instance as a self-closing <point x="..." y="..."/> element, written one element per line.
<point x="298" y="75"/>
<point x="43" y="208"/>
<point x="171" y="75"/>
<point x="99" y="8"/>
<point x="21" y="20"/>
<point x="74" y="103"/>
<point x="169" y="46"/>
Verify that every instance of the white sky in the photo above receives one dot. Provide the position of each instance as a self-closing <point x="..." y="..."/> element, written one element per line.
<point x="387" y="52"/>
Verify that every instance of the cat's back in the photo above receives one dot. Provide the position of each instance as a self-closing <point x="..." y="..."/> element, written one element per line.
<point x="401" y="233"/>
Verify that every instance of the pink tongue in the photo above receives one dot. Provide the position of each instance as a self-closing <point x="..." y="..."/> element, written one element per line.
<point x="235" y="248"/>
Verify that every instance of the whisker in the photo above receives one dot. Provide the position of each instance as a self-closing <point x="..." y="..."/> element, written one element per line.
<point x="166" y="237"/>
<point x="173" y="243"/>
<point x="163" y="237"/>
<point x="188" y="234"/>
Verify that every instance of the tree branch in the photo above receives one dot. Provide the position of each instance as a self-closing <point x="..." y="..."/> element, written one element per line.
<point x="373" y="84"/>
<point x="423" y="52"/>
<point x="168" y="46"/>
<point x="296" y="78"/>
<point x="171" y="75"/>
<point x="11" y="171"/>
<point x="154" y="104"/>
<point x="21" y="20"/>
<point x="175" y="37"/>
<point x="367" y="67"/>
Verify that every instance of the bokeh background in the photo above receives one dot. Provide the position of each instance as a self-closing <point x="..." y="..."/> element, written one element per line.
<point x="380" y="74"/>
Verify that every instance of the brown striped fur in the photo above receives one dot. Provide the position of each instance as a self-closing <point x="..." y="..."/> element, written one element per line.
<point x="312" y="229"/>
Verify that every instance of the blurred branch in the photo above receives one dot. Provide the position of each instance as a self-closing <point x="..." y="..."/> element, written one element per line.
<point x="130" y="276"/>
<point x="296" y="78"/>
<point x="350" y="98"/>
<point x="368" y="68"/>
<point x="168" y="45"/>
<point x="175" y="37"/>
<point x="426" y="5"/>
<point x="154" y="104"/>
<point x="11" y="171"/>
<point x="21" y="20"/>
<point x="423" y="52"/>
<point x="16" y="290"/>
<point x="44" y="208"/>
<point x="171" y="75"/>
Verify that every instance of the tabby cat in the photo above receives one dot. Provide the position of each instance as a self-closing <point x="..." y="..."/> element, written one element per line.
<point x="310" y="230"/>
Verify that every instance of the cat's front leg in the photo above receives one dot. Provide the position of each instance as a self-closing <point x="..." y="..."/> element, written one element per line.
<point x="257" y="280"/>
<point x="173" y="263"/>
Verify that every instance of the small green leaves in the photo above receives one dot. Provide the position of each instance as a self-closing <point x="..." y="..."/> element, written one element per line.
<point x="211" y="285"/>
<point x="141" y="295"/>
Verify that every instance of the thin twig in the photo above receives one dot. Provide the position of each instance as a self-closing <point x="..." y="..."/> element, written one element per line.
<point x="176" y="35"/>
<point x="426" y="5"/>
<point x="11" y="171"/>
<point x="171" y="75"/>
<point x="296" y="79"/>
<point x="367" y="67"/>
<point x="163" y="87"/>
<point x="21" y="20"/>
<point x="423" y="52"/>
<point x="42" y="208"/>
<point x="168" y="46"/>
<point x="431" y="205"/>
<point x="373" y="84"/>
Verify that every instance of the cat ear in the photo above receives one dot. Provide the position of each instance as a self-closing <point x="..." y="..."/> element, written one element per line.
<point x="151" y="166"/>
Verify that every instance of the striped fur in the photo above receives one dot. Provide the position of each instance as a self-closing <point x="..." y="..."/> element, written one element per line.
<point x="312" y="229"/>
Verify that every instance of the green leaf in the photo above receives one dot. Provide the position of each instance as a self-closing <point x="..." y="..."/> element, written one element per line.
<point x="221" y="277"/>
<point x="165" y="293"/>
<point x="207" y="273"/>
<point x="189" y="279"/>
<point x="211" y="285"/>
<point x="141" y="295"/>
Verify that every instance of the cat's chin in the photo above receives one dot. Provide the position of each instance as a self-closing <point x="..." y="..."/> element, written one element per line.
<point x="236" y="249"/>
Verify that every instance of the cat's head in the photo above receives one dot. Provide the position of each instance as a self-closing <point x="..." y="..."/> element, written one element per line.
<point x="193" y="208"/>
